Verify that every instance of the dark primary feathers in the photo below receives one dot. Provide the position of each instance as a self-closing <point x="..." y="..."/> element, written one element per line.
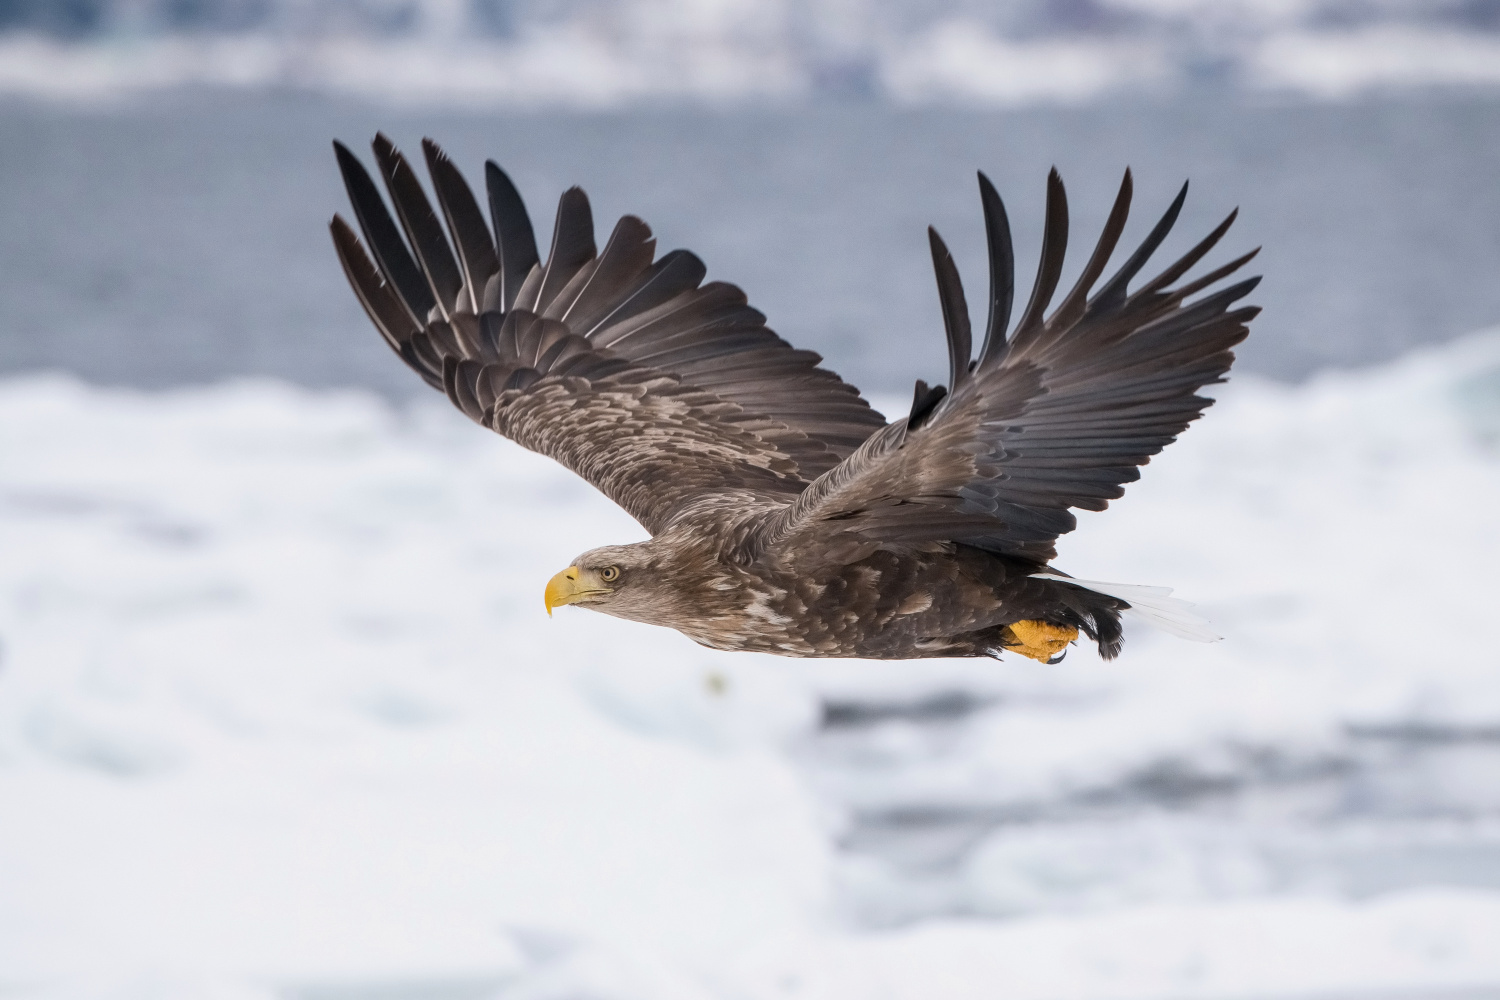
<point x="657" y="388"/>
<point x="672" y="397"/>
<point x="1059" y="416"/>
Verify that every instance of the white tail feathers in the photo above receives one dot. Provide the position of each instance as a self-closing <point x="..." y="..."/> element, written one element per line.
<point x="1153" y="605"/>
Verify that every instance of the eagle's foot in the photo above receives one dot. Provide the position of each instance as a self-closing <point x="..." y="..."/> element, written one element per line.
<point x="1040" y="640"/>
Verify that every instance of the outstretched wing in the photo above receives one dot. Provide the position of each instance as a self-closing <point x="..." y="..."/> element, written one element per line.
<point x="1059" y="415"/>
<point x="658" y="389"/>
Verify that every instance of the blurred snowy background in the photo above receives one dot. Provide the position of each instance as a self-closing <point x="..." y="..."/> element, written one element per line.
<point x="609" y="52"/>
<point x="281" y="715"/>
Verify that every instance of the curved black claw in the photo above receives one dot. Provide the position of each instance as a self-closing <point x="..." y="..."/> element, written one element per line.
<point x="1058" y="658"/>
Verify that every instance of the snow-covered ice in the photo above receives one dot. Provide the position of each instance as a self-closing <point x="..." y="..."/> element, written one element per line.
<point x="281" y="714"/>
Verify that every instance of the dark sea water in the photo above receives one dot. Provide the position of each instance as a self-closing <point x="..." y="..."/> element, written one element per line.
<point x="183" y="238"/>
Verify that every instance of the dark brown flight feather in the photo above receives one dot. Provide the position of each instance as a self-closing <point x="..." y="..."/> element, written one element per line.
<point x="470" y="237"/>
<point x="1002" y="270"/>
<point x="515" y="244"/>
<point x="421" y="225"/>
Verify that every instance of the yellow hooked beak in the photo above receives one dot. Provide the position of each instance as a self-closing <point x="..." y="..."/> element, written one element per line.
<point x="571" y="586"/>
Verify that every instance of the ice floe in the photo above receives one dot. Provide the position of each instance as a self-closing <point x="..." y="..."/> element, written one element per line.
<point x="281" y="714"/>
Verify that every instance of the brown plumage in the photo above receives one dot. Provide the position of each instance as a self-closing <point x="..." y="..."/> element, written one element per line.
<point x="786" y="515"/>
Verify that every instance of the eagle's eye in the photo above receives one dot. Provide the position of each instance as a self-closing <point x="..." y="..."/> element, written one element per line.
<point x="609" y="574"/>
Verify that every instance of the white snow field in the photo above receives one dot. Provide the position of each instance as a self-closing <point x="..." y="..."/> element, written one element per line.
<point x="281" y="715"/>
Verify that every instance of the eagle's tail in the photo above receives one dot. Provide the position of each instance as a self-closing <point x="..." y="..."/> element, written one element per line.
<point x="1153" y="605"/>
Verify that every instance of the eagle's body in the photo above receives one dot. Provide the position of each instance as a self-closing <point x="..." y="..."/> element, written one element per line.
<point x="786" y="515"/>
<point x="804" y="601"/>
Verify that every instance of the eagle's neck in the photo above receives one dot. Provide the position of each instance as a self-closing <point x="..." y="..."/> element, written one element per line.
<point x="699" y="585"/>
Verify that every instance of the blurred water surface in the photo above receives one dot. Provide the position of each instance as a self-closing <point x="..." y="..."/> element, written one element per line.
<point x="183" y="239"/>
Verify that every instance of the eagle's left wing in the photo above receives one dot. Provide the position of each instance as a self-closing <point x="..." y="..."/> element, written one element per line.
<point x="660" y="390"/>
<point x="1060" y="415"/>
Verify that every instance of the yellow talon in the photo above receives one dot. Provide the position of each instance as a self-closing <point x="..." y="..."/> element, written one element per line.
<point x="1040" y="640"/>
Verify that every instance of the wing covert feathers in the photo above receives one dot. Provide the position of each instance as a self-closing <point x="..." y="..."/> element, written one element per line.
<point x="661" y="390"/>
<point x="1059" y="415"/>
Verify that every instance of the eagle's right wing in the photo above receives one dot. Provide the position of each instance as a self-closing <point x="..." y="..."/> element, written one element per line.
<point x="661" y="391"/>
<point x="1060" y="415"/>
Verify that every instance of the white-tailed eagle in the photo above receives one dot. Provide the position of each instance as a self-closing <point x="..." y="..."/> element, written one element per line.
<point x="787" y="516"/>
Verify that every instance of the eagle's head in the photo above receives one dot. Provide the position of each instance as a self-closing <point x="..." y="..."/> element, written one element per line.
<point x="627" y="581"/>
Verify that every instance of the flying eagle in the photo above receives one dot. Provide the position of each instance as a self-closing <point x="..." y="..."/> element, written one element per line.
<point x="787" y="516"/>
